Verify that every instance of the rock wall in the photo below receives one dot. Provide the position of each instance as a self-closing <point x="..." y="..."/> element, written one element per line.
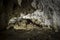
<point x="17" y="20"/>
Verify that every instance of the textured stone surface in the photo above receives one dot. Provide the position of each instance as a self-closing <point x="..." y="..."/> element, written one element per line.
<point x="20" y="19"/>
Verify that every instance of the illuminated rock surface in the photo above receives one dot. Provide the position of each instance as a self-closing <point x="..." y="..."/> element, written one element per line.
<point x="29" y="20"/>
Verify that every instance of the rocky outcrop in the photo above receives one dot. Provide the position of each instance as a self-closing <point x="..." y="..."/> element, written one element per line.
<point x="29" y="19"/>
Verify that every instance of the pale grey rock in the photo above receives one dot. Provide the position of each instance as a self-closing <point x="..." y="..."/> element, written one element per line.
<point x="19" y="2"/>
